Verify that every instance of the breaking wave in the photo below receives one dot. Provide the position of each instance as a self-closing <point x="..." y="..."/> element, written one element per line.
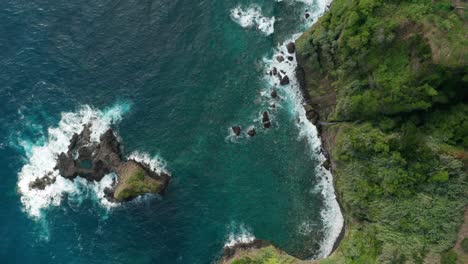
<point x="239" y="234"/>
<point x="41" y="159"/>
<point x="294" y="101"/>
<point x="253" y="17"/>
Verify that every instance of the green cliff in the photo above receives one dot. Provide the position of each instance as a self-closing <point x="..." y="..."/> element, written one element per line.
<point x="389" y="78"/>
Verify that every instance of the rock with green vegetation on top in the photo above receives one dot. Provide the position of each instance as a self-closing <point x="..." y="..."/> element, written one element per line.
<point x="93" y="160"/>
<point x="135" y="179"/>
<point x="257" y="252"/>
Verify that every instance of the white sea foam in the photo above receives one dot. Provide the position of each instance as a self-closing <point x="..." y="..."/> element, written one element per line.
<point x="331" y="213"/>
<point x="155" y="163"/>
<point x="239" y="234"/>
<point x="253" y="17"/>
<point x="42" y="159"/>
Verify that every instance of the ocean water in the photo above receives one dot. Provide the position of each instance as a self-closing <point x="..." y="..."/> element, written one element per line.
<point x="170" y="77"/>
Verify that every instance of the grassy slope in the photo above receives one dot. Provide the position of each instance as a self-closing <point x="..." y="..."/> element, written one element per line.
<point x="133" y="182"/>
<point x="397" y="73"/>
<point x="266" y="255"/>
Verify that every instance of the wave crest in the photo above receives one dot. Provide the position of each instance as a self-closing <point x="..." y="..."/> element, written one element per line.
<point x="41" y="160"/>
<point x="252" y="16"/>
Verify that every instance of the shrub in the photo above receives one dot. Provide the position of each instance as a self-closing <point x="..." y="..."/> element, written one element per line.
<point x="464" y="245"/>
<point x="449" y="257"/>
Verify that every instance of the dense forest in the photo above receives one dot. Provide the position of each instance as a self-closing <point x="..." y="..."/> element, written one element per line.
<point x="390" y="80"/>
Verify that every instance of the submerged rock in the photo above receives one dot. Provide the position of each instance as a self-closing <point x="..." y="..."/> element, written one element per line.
<point x="291" y="47"/>
<point x="251" y="132"/>
<point x="93" y="160"/>
<point x="237" y="130"/>
<point x="274" y="94"/>
<point x="266" y="120"/>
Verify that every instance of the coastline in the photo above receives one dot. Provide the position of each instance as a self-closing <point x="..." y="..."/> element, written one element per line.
<point x="313" y="129"/>
<point x="326" y="144"/>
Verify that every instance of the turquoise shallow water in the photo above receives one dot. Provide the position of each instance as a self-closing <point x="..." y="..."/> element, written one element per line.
<point x="187" y="73"/>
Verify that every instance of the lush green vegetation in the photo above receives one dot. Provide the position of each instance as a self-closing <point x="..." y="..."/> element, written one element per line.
<point x="267" y="255"/>
<point x="449" y="257"/>
<point x="399" y="72"/>
<point x="136" y="184"/>
<point x="464" y="245"/>
<point x="388" y="57"/>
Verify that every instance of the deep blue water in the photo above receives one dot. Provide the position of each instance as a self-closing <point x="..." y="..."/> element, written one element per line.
<point x="188" y="73"/>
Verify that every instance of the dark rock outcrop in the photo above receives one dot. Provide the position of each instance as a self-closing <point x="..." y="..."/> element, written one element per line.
<point x="229" y="252"/>
<point x="274" y="94"/>
<point x="291" y="47"/>
<point x="251" y="132"/>
<point x="284" y="80"/>
<point x="280" y="58"/>
<point x="290" y="58"/>
<point x="93" y="160"/>
<point x="326" y="164"/>
<point x="41" y="183"/>
<point x="88" y="159"/>
<point x="274" y="71"/>
<point x="266" y="120"/>
<point x="237" y="130"/>
<point x="311" y="114"/>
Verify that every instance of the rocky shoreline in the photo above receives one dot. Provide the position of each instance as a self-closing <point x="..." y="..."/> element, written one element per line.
<point x="314" y="114"/>
<point x="93" y="160"/>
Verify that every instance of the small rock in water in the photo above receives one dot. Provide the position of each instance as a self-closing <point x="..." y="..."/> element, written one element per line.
<point x="283" y="72"/>
<point x="266" y="120"/>
<point x="41" y="183"/>
<point x="284" y="80"/>
<point x="291" y="47"/>
<point x="291" y="58"/>
<point x="251" y="132"/>
<point x="306" y="15"/>
<point x="236" y="130"/>
<point x="280" y="58"/>
<point x="274" y="71"/>
<point x="273" y="106"/>
<point x="274" y="94"/>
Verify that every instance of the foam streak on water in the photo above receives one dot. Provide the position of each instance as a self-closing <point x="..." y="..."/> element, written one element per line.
<point x="42" y="160"/>
<point x="155" y="163"/>
<point x="239" y="234"/>
<point x="331" y="213"/>
<point x="253" y="17"/>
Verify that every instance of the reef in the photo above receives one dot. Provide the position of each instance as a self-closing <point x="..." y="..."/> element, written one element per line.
<point x="92" y="160"/>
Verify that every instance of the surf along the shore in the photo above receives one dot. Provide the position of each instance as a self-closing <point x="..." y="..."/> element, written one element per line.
<point x="281" y="80"/>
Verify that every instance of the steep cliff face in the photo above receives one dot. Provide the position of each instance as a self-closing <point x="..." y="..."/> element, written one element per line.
<point x="386" y="82"/>
<point x="364" y="59"/>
